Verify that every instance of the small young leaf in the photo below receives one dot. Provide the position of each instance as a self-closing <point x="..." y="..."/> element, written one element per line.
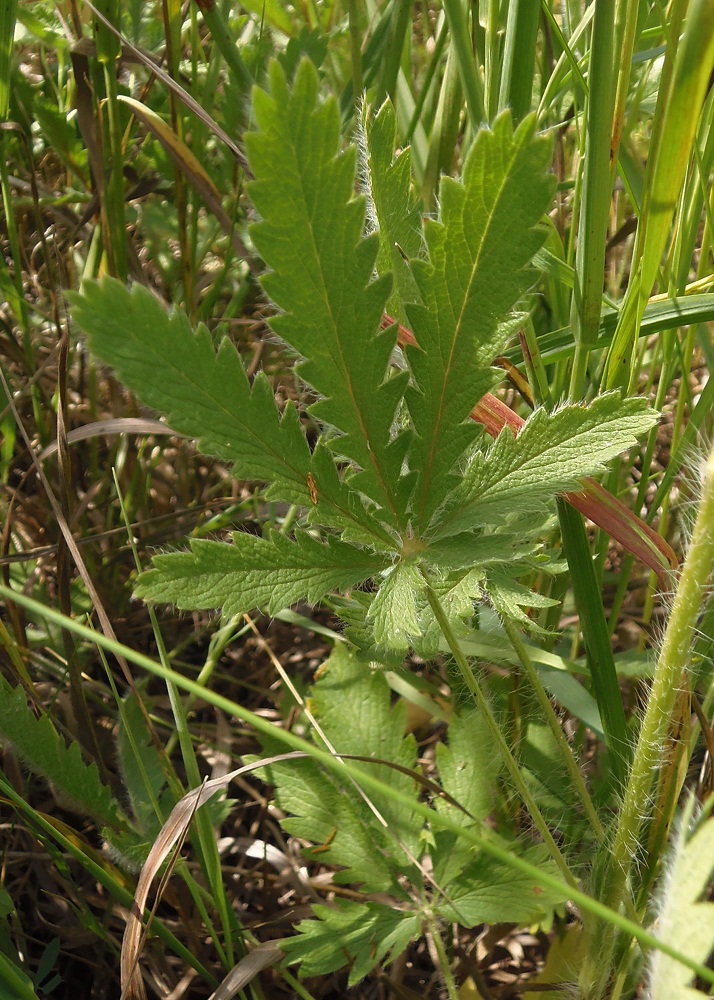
<point x="479" y="252"/>
<point x="270" y="573"/>
<point x="397" y="215"/>
<point x="550" y="455"/>
<point x="363" y="934"/>
<point x="205" y="394"/>
<point x="310" y="237"/>
<point x="508" y="597"/>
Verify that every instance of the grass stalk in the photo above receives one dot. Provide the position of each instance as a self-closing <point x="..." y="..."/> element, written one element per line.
<point x="457" y="19"/>
<point x="588" y="601"/>
<point x="497" y="736"/>
<point x="519" y="58"/>
<point x="595" y="207"/>
<point x="555" y="727"/>
<point x="669" y="678"/>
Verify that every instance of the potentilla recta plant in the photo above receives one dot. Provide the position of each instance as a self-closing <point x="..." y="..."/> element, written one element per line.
<point x="406" y="516"/>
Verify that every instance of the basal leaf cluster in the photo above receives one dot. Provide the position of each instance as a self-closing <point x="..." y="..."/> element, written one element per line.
<point x="400" y="486"/>
<point x="421" y="873"/>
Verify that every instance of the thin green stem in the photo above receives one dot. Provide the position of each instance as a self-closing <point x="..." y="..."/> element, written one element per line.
<point x="555" y="727"/>
<point x="670" y="673"/>
<point x="495" y="731"/>
<point x="444" y="963"/>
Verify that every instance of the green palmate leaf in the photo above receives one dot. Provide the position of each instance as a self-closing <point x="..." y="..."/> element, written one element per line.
<point x="41" y="749"/>
<point x="270" y="573"/>
<point x="205" y="394"/>
<point x="361" y="934"/>
<point x="475" y="888"/>
<point x="394" y="212"/>
<point x="489" y="891"/>
<point x="366" y="719"/>
<point x="508" y="597"/>
<point x="479" y="251"/>
<point x="686" y="920"/>
<point x="310" y="237"/>
<point x="468" y="771"/>
<point x="339" y="825"/>
<point x="550" y="455"/>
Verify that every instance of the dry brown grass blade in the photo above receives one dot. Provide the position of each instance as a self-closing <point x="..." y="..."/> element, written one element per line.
<point x="115" y="425"/>
<point x="172" y="832"/>
<point x="266" y="954"/>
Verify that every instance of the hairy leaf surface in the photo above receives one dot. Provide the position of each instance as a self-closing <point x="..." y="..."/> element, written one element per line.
<point x="479" y="252"/>
<point x="310" y="237"/>
<point x="393" y="611"/>
<point x="686" y="919"/>
<point x="550" y="455"/>
<point x="270" y="573"/>
<point x="205" y="394"/>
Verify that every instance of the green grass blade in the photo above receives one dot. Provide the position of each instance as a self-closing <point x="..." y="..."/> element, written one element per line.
<point x="595" y="210"/>
<point x="457" y="19"/>
<point x="519" y="58"/>
<point x="588" y="601"/>
<point x="670" y="157"/>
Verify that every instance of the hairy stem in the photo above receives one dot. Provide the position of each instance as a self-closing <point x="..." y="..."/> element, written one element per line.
<point x="670" y="673"/>
<point x="496" y="734"/>
<point x="555" y="727"/>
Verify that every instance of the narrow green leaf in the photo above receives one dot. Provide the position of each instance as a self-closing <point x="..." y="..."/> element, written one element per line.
<point x="254" y="572"/>
<point x="205" y="394"/>
<point x="310" y="237"/>
<point x="479" y="251"/>
<point x="8" y="9"/>
<point x="41" y="749"/>
<point x="552" y="452"/>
